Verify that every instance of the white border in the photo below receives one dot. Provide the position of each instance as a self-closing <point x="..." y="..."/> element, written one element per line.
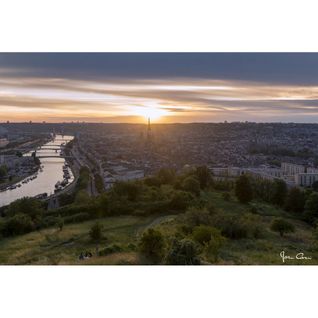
<point x="158" y="26"/>
<point x="149" y="291"/>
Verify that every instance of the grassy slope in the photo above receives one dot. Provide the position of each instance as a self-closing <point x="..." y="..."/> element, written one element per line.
<point x="266" y="250"/>
<point x="51" y="246"/>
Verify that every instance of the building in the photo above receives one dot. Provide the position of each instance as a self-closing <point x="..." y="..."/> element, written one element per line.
<point x="226" y="172"/>
<point x="263" y="173"/>
<point x="306" y="179"/>
<point x="291" y="169"/>
<point x="149" y="131"/>
<point x="3" y="142"/>
<point x="312" y="170"/>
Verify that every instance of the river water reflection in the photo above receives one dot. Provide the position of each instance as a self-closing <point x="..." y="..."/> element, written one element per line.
<point x="52" y="172"/>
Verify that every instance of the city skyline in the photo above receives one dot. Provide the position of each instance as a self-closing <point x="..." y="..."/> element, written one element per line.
<point x="167" y="87"/>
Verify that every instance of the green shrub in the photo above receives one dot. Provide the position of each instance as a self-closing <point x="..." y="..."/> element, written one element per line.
<point x="202" y="233"/>
<point x="152" y="245"/>
<point x="128" y="189"/>
<point x="77" y="218"/>
<point x="192" y="185"/>
<point x="282" y="226"/>
<point x="213" y="246"/>
<point x="204" y="176"/>
<point x="91" y="209"/>
<point x="311" y="208"/>
<point x="49" y="221"/>
<point x="194" y="217"/>
<point x="99" y="183"/>
<point x="243" y="189"/>
<point x="183" y="252"/>
<point x="231" y="227"/>
<point x="28" y="206"/>
<point x="96" y="232"/>
<point x="149" y="208"/>
<point x="82" y="198"/>
<point x="17" y="225"/>
<point x="253" y="225"/>
<point x="110" y="249"/>
<point x="166" y="175"/>
<point x="180" y="200"/>
<point x="226" y="196"/>
<point x="295" y="200"/>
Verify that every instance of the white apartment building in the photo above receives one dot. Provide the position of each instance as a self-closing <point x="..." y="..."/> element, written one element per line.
<point x="291" y="169"/>
<point x="312" y="170"/>
<point x="226" y="172"/>
<point x="306" y="179"/>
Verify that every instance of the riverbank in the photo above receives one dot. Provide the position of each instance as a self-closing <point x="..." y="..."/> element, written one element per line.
<point x="17" y="179"/>
<point x="50" y="174"/>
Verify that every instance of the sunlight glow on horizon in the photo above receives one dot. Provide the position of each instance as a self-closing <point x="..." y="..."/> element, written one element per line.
<point x="161" y="100"/>
<point x="152" y="112"/>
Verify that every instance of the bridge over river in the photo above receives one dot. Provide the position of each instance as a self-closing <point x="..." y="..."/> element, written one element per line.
<point x="46" y="178"/>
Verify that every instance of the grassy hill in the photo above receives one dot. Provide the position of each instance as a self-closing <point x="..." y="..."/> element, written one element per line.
<point x="121" y="234"/>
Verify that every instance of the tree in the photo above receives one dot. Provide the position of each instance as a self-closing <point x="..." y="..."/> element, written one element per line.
<point x="243" y="189"/>
<point x="183" y="252"/>
<point x="82" y="197"/>
<point x="3" y="171"/>
<point x="17" y="225"/>
<point x="315" y="186"/>
<point x="279" y="192"/>
<point x="60" y="222"/>
<point x="29" y="206"/>
<point x="152" y="245"/>
<point x="96" y="232"/>
<point x="83" y="179"/>
<point x="295" y="200"/>
<point x="195" y="217"/>
<point x="191" y="184"/>
<point x="204" y="176"/>
<point x="311" y="208"/>
<point x="226" y="196"/>
<point x="203" y="233"/>
<point x="167" y="175"/>
<point x="180" y="200"/>
<point x="152" y="181"/>
<point x="99" y="183"/>
<point x="282" y="227"/>
<point x="213" y="246"/>
<point x="129" y="189"/>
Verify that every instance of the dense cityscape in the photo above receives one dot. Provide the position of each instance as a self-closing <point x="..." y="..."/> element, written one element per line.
<point x="119" y="152"/>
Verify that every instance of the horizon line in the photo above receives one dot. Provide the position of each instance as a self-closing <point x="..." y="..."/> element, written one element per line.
<point x="159" y="123"/>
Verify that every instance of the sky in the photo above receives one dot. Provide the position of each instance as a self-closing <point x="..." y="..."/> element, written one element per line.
<point x="167" y="87"/>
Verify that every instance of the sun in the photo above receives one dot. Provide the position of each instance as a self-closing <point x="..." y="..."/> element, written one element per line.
<point x="151" y="112"/>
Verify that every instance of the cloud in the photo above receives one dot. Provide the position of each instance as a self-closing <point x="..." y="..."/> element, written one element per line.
<point x="184" y="99"/>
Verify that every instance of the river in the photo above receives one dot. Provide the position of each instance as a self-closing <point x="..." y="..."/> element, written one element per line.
<point x="47" y="177"/>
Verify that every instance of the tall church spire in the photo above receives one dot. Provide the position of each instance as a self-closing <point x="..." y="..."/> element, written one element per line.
<point x="149" y="131"/>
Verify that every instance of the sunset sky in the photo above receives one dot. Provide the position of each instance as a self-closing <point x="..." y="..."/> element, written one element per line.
<point x="168" y="87"/>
